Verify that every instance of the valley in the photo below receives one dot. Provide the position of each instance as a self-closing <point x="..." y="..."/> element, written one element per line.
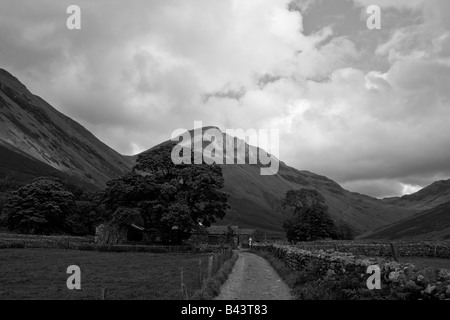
<point x="36" y="140"/>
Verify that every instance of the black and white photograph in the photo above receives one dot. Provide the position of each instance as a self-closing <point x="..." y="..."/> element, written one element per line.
<point x="225" y="154"/>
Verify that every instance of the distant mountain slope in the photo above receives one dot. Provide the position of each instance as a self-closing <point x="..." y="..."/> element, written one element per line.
<point x="29" y="124"/>
<point x="36" y="139"/>
<point x="256" y="199"/>
<point x="21" y="168"/>
<point x="432" y="224"/>
<point x="427" y="198"/>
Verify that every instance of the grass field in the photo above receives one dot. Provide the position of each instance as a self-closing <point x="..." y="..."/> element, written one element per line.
<point x="421" y="262"/>
<point x="41" y="274"/>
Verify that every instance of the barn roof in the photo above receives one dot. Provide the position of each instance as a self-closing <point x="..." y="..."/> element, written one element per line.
<point x="245" y="231"/>
<point x="219" y="230"/>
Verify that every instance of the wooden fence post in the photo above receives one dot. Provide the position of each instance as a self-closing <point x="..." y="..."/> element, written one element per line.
<point x="210" y="265"/>
<point x="200" y="272"/>
<point x="394" y="252"/>
<point x="104" y="293"/>
<point x="182" y="284"/>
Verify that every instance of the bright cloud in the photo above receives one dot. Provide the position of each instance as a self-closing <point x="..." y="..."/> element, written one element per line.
<point x="369" y="109"/>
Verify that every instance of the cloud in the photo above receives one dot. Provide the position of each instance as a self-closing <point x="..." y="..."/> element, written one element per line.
<point x="369" y="110"/>
<point x="380" y="188"/>
<point x="398" y="4"/>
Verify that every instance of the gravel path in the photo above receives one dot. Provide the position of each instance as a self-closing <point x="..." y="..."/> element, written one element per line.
<point x="253" y="278"/>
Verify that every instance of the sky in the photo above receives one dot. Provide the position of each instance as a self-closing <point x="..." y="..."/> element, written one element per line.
<point x="367" y="108"/>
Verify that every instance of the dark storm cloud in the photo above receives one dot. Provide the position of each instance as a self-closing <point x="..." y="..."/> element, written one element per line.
<point x="368" y="109"/>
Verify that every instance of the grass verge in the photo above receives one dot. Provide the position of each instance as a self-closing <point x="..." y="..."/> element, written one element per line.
<point x="212" y="287"/>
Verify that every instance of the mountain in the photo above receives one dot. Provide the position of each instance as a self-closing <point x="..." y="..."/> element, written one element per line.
<point x="431" y="224"/>
<point x="36" y="140"/>
<point x="429" y="197"/>
<point x="31" y="129"/>
<point x="256" y="199"/>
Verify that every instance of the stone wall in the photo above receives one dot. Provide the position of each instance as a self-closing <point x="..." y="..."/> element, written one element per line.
<point x="432" y="249"/>
<point x="11" y="240"/>
<point x="423" y="284"/>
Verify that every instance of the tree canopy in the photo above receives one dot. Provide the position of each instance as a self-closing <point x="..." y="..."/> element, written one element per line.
<point x="172" y="199"/>
<point x="40" y="207"/>
<point x="311" y="220"/>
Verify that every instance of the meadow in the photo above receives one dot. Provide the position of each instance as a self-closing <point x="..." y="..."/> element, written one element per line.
<point x="41" y="274"/>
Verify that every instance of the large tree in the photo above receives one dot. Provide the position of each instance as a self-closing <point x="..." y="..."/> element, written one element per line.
<point x="171" y="199"/>
<point x="40" y="207"/>
<point x="311" y="220"/>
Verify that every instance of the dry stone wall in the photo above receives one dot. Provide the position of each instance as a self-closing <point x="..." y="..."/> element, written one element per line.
<point x="432" y="249"/>
<point x="423" y="284"/>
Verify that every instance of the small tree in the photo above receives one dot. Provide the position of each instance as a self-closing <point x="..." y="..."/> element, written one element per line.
<point x="228" y="237"/>
<point x="40" y="207"/>
<point x="311" y="221"/>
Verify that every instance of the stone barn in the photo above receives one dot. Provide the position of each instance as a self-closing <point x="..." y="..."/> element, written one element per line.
<point x="110" y="233"/>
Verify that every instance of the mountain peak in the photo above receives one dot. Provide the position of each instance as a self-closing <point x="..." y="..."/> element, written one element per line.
<point x="3" y="72"/>
<point x="8" y="80"/>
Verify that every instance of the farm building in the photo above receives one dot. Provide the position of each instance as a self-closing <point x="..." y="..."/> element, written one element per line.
<point x="110" y="233"/>
<point x="215" y="234"/>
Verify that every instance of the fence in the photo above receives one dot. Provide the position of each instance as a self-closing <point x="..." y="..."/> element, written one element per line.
<point x="8" y="240"/>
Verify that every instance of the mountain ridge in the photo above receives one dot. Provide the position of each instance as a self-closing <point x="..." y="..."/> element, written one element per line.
<point x="32" y="130"/>
<point x="426" y="198"/>
<point x="33" y="126"/>
<point x="431" y="224"/>
<point x="256" y="200"/>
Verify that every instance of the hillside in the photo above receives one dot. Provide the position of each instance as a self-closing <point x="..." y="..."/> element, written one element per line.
<point x="427" y="198"/>
<point x="256" y="199"/>
<point x="36" y="139"/>
<point x="20" y="168"/>
<point x="31" y="125"/>
<point x="432" y="224"/>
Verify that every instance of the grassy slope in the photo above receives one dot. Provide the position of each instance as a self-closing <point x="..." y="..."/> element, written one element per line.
<point x="256" y="200"/>
<point x="431" y="224"/>
<point x="41" y="274"/>
<point x="39" y="130"/>
<point x="429" y="197"/>
<point x="21" y="168"/>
